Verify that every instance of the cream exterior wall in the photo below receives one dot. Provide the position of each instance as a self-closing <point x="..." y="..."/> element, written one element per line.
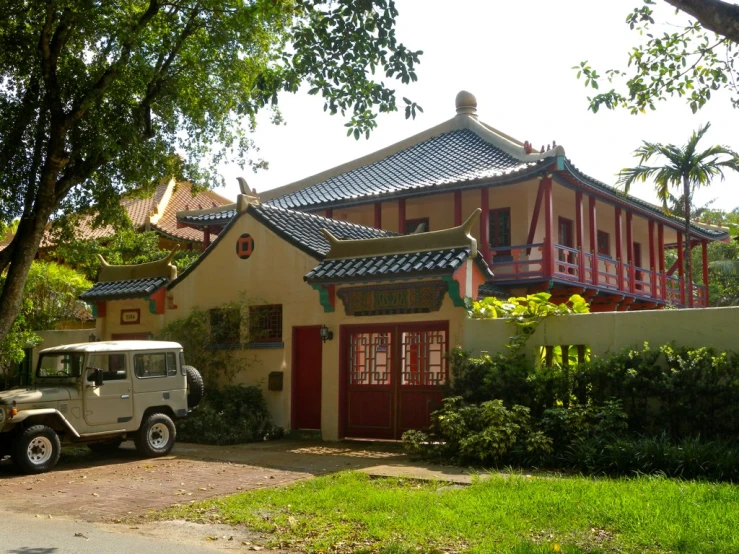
<point x="111" y="324"/>
<point x="609" y="332"/>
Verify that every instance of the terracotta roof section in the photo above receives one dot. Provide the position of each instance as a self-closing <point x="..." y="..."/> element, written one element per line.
<point x="306" y="230"/>
<point x="120" y="290"/>
<point x="396" y="266"/>
<point x="183" y="199"/>
<point x="458" y="156"/>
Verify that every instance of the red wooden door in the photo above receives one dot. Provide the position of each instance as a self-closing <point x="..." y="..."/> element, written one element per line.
<point x="306" y="381"/>
<point x="392" y="376"/>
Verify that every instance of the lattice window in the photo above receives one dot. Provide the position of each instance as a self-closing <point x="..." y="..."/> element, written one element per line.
<point x="265" y="323"/>
<point x="369" y="359"/>
<point x="423" y="360"/>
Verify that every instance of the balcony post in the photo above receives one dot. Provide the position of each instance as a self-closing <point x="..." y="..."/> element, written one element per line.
<point x="661" y="261"/>
<point x="580" y="232"/>
<point x="457" y="208"/>
<point x="401" y="216"/>
<point x="681" y="266"/>
<point x="594" y="262"/>
<point x="652" y="267"/>
<point x="548" y="228"/>
<point x="619" y="263"/>
<point x="704" y="251"/>
<point x="484" y="245"/>
<point x="630" y="252"/>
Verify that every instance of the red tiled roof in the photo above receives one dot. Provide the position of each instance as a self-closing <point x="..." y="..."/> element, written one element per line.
<point x="182" y="199"/>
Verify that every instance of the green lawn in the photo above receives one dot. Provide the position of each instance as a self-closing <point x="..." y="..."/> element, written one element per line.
<point x="349" y="512"/>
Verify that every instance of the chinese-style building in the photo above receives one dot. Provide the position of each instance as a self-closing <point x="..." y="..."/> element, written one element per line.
<point x="356" y="278"/>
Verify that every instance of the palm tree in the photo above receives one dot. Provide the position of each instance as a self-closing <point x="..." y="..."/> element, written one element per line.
<point x="684" y="168"/>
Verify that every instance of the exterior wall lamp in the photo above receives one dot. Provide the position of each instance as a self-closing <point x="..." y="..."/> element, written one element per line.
<point x="92" y="337"/>
<point x="326" y="333"/>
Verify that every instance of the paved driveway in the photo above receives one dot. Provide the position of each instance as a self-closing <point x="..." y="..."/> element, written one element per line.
<point x="94" y="487"/>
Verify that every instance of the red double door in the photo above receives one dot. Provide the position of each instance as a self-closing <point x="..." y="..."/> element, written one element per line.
<point x="392" y="377"/>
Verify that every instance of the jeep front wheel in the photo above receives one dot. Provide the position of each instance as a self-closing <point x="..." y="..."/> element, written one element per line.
<point x="36" y="449"/>
<point x="156" y="436"/>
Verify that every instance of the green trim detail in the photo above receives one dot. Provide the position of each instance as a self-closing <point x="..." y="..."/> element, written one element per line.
<point x="453" y="290"/>
<point x="560" y="163"/>
<point x="152" y="306"/>
<point x="323" y="298"/>
<point x="94" y="308"/>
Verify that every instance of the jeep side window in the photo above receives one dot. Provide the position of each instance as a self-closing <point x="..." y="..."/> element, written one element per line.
<point x="112" y="365"/>
<point x="150" y="365"/>
<point x="171" y="364"/>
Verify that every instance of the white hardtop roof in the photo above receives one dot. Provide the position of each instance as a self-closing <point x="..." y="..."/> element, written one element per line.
<point x="114" y="346"/>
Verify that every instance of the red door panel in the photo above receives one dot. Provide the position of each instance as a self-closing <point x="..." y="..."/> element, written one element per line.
<point x="393" y="377"/>
<point x="307" y="350"/>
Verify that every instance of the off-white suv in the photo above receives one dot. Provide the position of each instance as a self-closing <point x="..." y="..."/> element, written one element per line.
<point x="100" y="394"/>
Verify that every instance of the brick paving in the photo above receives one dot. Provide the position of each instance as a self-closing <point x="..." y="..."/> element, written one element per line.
<point x="93" y="487"/>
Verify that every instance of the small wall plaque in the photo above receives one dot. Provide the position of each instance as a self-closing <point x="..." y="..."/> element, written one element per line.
<point x="131" y="317"/>
<point x="274" y="382"/>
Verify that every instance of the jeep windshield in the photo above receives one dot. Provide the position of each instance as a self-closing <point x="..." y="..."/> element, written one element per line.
<point x="59" y="364"/>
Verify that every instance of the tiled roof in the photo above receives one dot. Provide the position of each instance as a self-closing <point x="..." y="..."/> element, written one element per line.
<point x="182" y="199"/>
<point x="305" y="230"/>
<point x="214" y="218"/>
<point x="657" y="210"/>
<point x="453" y="157"/>
<point x="119" y="290"/>
<point x="404" y="266"/>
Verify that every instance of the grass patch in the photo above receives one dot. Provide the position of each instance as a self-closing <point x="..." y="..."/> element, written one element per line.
<point x="349" y="512"/>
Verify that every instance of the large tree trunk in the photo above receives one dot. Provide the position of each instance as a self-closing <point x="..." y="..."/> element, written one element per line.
<point x="715" y="15"/>
<point x="688" y="245"/>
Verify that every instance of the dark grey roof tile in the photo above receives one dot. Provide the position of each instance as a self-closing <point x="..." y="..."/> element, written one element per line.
<point x="119" y="290"/>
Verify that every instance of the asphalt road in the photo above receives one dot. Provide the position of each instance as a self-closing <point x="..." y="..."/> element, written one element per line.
<point x="25" y="534"/>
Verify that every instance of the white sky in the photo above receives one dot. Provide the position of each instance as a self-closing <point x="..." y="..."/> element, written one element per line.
<point x="517" y="59"/>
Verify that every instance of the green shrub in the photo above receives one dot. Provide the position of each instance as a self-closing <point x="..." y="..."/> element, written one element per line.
<point x="233" y="414"/>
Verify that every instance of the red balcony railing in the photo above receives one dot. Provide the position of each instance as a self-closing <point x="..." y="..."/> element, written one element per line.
<point x="528" y="261"/>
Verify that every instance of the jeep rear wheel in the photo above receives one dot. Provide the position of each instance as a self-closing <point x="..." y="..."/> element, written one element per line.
<point x="36" y="450"/>
<point x="156" y="436"/>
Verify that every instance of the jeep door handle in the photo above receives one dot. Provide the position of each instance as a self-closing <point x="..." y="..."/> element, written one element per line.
<point x="124" y="396"/>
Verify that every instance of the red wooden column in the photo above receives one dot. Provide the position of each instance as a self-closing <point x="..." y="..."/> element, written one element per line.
<point x="630" y="252"/>
<point x="206" y="237"/>
<point x="681" y="266"/>
<point x="401" y="216"/>
<point x="704" y="251"/>
<point x="457" y="208"/>
<point x="484" y="245"/>
<point x="594" y="263"/>
<point x="378" y="215"/>
<point x="619" y="254"/>
<point x="580" y="232"/>
<point x="329" y="212"/>
<point x="548" y="228"/>
<point x="652" y="267"/>
<point x="661" y="261"/>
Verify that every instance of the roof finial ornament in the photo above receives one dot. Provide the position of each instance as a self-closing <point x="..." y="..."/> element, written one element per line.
<point x="244" y="186"/>
<point x="466" y="103"/>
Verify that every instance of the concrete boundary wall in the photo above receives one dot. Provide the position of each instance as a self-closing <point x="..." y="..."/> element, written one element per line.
<point x="612" y="331"/>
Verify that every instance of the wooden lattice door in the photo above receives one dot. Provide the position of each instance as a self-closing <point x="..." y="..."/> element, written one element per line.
<point x="393" y="377"/>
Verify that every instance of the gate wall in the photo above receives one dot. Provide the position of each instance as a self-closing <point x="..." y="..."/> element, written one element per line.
<point x="610" y="332"/>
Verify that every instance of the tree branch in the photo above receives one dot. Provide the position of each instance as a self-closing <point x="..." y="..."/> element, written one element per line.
<point x="109" y="75"/>
<point x="715" y="15"/>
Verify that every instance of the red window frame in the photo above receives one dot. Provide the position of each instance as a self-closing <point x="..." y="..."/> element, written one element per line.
<point x="265" y="323"/>
<point x="604" y="243"/>
<point x="494" y="224"/>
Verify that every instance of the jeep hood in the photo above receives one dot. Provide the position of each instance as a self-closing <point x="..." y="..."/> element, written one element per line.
<point x="34" y="396"/>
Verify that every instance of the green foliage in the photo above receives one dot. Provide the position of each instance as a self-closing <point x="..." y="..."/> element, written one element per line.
<point x="54" y="291"/>
<point x="126" y="247"/>
<point x="195" y="333"/>
<point x="524" y="312"/>
<point x="482" y="433"/>
<point x="689" y="62"/>
<point x="230" y="415"/>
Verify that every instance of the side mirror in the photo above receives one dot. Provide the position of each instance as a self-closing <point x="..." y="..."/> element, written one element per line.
<point x="97" y="377"/>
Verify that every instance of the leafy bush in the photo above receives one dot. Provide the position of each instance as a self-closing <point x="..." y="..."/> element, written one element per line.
<point x="234" y="414"/>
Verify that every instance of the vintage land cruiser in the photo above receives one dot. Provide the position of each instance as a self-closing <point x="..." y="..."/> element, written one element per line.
<point x="99" y="394"/>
